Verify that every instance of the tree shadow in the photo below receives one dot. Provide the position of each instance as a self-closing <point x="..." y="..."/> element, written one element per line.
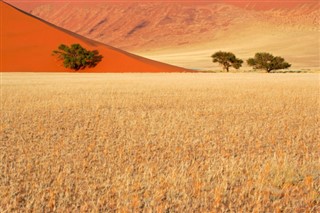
<point x="95" y="59"/>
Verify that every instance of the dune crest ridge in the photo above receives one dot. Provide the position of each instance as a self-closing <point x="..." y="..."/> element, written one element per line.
<point x="27" y="43"/>
<point x="186" y="33"/>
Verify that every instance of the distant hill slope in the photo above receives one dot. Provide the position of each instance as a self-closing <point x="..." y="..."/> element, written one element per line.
<point x="187" y="33"/>
<point x="27" y="43"/>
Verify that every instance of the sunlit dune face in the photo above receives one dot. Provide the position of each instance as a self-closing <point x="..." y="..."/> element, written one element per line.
<point x="186" y="33"/>
<point x="28" y="44"/>
<point x="254" y="4"/>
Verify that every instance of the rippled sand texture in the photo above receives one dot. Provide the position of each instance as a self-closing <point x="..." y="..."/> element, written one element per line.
<point x="27" y="44"/>
<point x="187" y="33"/>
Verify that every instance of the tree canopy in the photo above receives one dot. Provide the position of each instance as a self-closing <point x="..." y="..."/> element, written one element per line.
<point x="76" y="57"/>
<point x="227" y="60"/>
<point x="267" y="62"/>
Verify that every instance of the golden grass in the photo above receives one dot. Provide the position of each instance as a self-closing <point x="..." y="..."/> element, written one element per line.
<point x="160" y="142"/>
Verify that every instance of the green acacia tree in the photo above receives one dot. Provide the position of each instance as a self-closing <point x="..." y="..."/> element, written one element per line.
<point x="227" y="60"/>
<point x="267" y="62"/>
<point x="76" y="57"/>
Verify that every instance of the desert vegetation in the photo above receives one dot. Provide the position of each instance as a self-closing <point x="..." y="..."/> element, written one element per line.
<point x="263" y="61"/>
<point x="189" y="142"/>
<point x="268" y="62"/>
<point x="226" y="60"/>
<point x="77" y="57"/>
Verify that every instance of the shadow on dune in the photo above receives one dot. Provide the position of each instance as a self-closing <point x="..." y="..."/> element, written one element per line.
<point x="96" y="59"/>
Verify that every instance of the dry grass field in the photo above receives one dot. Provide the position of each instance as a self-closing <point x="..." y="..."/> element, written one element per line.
<point x="246" y="142"/>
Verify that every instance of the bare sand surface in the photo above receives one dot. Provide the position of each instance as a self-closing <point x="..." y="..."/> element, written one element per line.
<point x="187" y="33"/>
<point x="27" y="44"/>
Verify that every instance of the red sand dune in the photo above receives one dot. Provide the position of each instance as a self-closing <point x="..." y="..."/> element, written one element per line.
<point x="27" y="43"/>
<point x="253" y="4"/>
<point x="186" y="32"/>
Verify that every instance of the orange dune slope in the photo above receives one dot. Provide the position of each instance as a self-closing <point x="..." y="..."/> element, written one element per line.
<point x="27" y="43"/>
